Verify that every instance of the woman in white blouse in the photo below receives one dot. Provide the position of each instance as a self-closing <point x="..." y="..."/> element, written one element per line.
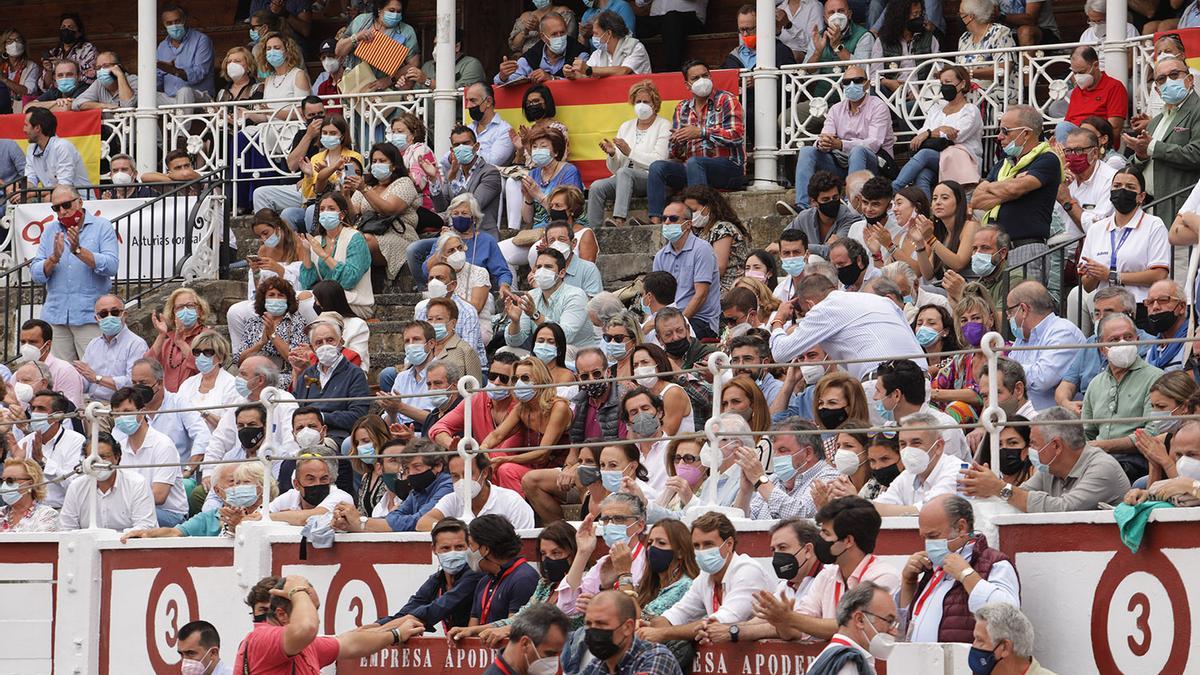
<point x="1129" y="247"/>
<point x="213" y="385"/>
<point x="18" y="72"/>
<point x="474" y="283"/>
<point x="614" y="51"/>
<point x="278" y="255"/>
<point x="950" y="142"/>
<point x="639" y="142"/>
<point x="279" y="57"/>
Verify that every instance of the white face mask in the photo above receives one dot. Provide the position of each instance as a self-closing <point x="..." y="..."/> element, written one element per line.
<point x="846" y="462"/>
<point x="544" y="665"/>
<point x="916" y="460"/>
<point x="235" y="70"/>
<point x="811" y="374"/>
<point x="545" y="278"/>
<point x="436" y="289"/>
<point x="562" y="247"/>
<point x="1188" y="467"/>
<point x="643" y="110"/>
<point x="120" y="178"/>
<point x="1122" y="356"/>
<point x="456" y="260"/>
<point x="646" y="376"/>
<point x="23" y="392"/>
<point x="474" y="487"/>
<point x="328" y="354"/>
<point x="838" y="21"/>
<point x="307" y="437"/>
<point x="330" y="65"/>
<point x="14" y="48"/>
<point x="881" y="644"/>
<point x="30" y="353"/>
<point x="702" y="87"/>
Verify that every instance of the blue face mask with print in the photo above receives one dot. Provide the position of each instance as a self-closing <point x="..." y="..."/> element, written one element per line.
<point x="241" y="496"/>
<point x="329" y="220"/>
<point x="793" y="266"/>
<point x="391" y="18"/>
<point x="545" y="351"/>
<point x="176" y="31"/>
<point x="926" y="336"/>
<point x="465" y="154"/>
<point x="275" y="57"/>
<point x="110" y="325"/>
<point x="782" y="467"/>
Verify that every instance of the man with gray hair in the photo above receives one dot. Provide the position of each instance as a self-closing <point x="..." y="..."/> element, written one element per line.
<point x="314" y="491"/>
<point x="332" y="377"/>
<point x="1090" y="181"/>
<point x="799" y="461"/>
<point x="536" y="638"/>
<point x="187" y="430"/>
<point x="1167" y="313"/>
<point x="1167" y="151"/>
<point x="929" y="470"/>
<point x="256" y="373"/>
<point x="1003" y="642"/>
<point x="1087" y="363"/>
<point x="1071" y="476"/>
<point x="1030" y="310"/>
<point x="1019" y="193"/>
<point x="867" y="625"/>
<point x="914" y="296"/>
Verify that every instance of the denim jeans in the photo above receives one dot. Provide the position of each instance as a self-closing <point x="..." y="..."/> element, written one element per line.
<point x="920" y="170"/>
<point x="299" y="217"/>
<point x="418" y="252"/>
<point x="811" y="160"/>
<point x="715" y="172"/>
<point x="168" y="518"/>
<point x="387" y="378"/>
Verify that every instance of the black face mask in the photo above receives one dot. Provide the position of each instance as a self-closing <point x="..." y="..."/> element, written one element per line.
<point x="875" y="220"/>
<point x="595" y="389"/>
<point x="420" y="481"/>
<point x="315" y="494"/>
<point x="849" y="274"/>
<point x="557" y="214"/>
<point x="588" y="474"/>
<point x="250" y="436"/>
<point x="886" y="475"/>
<point x="949" y="92"/>
<point x="830" y="208"/>
<point x="1123" y="200"/>
<point x="600" y="643"/>
<point x="659" y="559"/>
<point x="1010" y="461"/>
<point x="786" y="566"/>
<point x="259" y="618"/>
<point x="916" y="25"/>
<point x="475" y="113"/>
<point x="535" y="112"/>
<point x="1160" y="322"/>
<point x="396" y="485"/>
<point x="554" y="570"/>
<point x="831" y="418"/>
<point x="67" y="36"/>
<point x="824" y="551"/>
<point x="677" y="348"/>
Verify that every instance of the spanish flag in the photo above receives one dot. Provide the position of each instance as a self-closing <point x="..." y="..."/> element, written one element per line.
<point x="82" y="129"/>
<point x="595" y="109"/>
<point x="1191" y="44"/>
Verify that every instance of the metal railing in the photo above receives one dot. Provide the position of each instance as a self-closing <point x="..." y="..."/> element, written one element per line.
<point x="22" y="299"/>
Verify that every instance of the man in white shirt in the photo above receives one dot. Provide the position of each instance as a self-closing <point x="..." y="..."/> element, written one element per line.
<point x="954" y="566"/>
<point x="124" y="498"/>
<point x="52" y="444"/>
<point x="108" y="359"/>
<point x="143" y="445"/>
<point x="187" y="430"/>
<point x="255" y="374"/>
<point x="616" y="51"/>
<point x="847" y="325"/>
<point x="314" y="492"/>
<point x="864" y="615"/>
<point x="929" y="470"/>
<point x="724" y="590"/>
<point x="1090" y="184"/>
<point x="485" y="498"/>
<point x="900" y="391"/>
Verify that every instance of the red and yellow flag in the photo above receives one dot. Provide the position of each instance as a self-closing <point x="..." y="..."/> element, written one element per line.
<point x="595" y="109"/>
<point x="1191" y="44"/>
<point x="82" y="129"/>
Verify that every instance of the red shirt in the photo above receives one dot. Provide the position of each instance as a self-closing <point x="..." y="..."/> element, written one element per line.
<point x="264" y="645"/>
<point x="1108" y="99"/>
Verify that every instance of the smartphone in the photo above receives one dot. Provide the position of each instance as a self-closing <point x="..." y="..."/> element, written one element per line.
<point x="349" y="170"/>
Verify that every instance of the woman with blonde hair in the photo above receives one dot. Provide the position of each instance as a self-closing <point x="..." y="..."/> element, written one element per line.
<point x="240" y="69"/>
<point x="367" y="438"/>
<point x="540" y="416"/>
<point x="279" y="56"/>
<point x="185" y="315"/>
<point x="741" y="395"/>
<point x="212" y="384"/>
<point x="243" y="501"/>
<point x="18" y="72"/>
<point x="767" y="302"/>
<point x="639" y="142"/>
<point x="622" y="335"/>
<point x="22" y="493"/>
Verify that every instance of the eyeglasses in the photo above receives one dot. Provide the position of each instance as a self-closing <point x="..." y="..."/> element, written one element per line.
<point x="109" y="312"/>
<point x="747" y="31"/>
<point x="1008" y="131"/>
<point x="594" y="375"/>
<point x="615" y="338"/>
<point x="206" y="352"/>
<point x="1076" y="152"/>
<point x="893" y="624"/>
<point x="498" y="377"/>
<point x="190" y="305"/>
<point x="854" y="80"/>
<point x="617" y="520"/>
<point x="63" y="206"/>
<point x="1173" y="75"/>
<point x="1161" y="301"/>
<point x="687" y="459"/>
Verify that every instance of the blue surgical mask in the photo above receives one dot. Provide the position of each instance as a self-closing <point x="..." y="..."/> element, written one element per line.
<point x="710" y="560"/>
<point x="611" y="480"/>
<point x="597" y="43"/>
<point x="1016" y="328"/>
<point x="545" y="351"/>
<point x="453" y="561"/>
<point x="39" y="423"/>
<point x="438" y="401"/>
<point x="10" y="493"/>
<point x="981" y="264"/>
<point x="381" y="170"/>
<point x="439" y="331"/>
<point x="793" y="266"/>
<point x="884" y="414"/>
<point x="854" y="92"/>
<point x="276" y="306"/>
<point x="415" y="354"/>
<point x="241" y="496"/>
<point x="541" y="4"/>
<point x="272" y="241"/>
<point x="127" y="424"/>
<point x="1035" y="458"/>
<point x="937" y="550"/>
<point x="541" y="156"/>
<point x="782" y="467"/>
<point x="558" y="45"/>
<point x="187" y="316"/>
<point x="498" y="394"/>
<point x="613" y="533"/>
<point x="465" y="154"/>
<point x="615" y="350"/>
<point x="329" y="220"/>
<point x="176" y="31"/>
<point x="927" y="336"/>
<point x="366" y="453"/>
<point x="524" y="391"/>
<point x="392" y="18"/>
<point x="242" y="387"/>
<point x="205" y="364"/>
<point x="329" y="141"/>
<point x="254" y="36"/>
<point x="399" y="140"/>
<point x="105" y="76"/>
<point x="672" y="232"/>
<point x="1173" y="92"/>
<point x="65" y="84"/>
<point x="110" y="325"/>
<point x="275" y="57"/>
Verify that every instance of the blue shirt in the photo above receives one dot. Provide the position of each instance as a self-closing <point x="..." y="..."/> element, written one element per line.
<point x="401" y="32"/>
<point x="584" y="274"/>
<point x="12" y="160"/>
<point x="1088" y="364"/>
<point x="203" y="524"/>
<point x="748" y="56"/>
<point x="187" y="430"/>
<point x="799" y="405"/>
<point x="1044" y="369"/>
<point x="695" y="262"/>
<point x="418" y="502"/>
<point x="619" y="7"/>
<point x="412" y="381"/>
<point x="433" y="602"/>
<point x="72" y="287"/>
<point x="194" y="55"/>
<point x="504" y="595"/>
<point x="567" y="174"/>
<point x="113" y="358"/>
<point x="494" y="142"/>
<point x="484" y="251"/>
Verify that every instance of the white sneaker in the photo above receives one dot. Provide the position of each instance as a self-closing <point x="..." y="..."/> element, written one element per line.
<point x="785" y="209"/>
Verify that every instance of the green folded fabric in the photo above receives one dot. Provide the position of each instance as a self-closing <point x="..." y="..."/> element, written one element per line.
<point x="1132" y="521"/>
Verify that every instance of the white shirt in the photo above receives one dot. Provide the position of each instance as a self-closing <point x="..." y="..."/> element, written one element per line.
<point x="224" y="437"/>
<point x="798" y="37"/>
<point x="660" y="7"/>
<point x="1000" y="586"/>
<point x="501" y="501"/>
<point x="290" y="500"/>
<point x="156" y="449"/>
<point x="655" y="462"/>
<point x="743" y="577"/>
<point x="187" y="430"/>
<point x="128" y="505"/>
<point x="847" y="326"/>
<point x="1093" y="197"/>
<point x="785" y="588"/>
<point x="356" y="335"/>
<point x="1140" y="245"/>
<point x="630" y="52"/>
<point x="223" y="391"/>
<point x="828" y="587"/>
<point x="858" y="232"/>
<point x="60" y="456"/>
<point x="908" y="489"/>
<point x="967" y="121"/>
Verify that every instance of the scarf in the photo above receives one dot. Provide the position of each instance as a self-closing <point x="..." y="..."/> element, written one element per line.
<point x="1010" y="169"/>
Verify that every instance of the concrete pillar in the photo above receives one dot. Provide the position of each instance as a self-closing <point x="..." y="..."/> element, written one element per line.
<point x="1116" y="54"/>
<point x="445" y="99"/>
<point x="765" y="143"/>
<point x="146" y="144"/>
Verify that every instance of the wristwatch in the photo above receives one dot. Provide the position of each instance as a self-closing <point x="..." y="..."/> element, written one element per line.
<point x="1006" y="491"/>
<point x="1114" y="277"/>
<point x="396" y="636"/>
<point x="97" y="379"/>
<point x="734" y="633"/>
<point x="762" y="480"/>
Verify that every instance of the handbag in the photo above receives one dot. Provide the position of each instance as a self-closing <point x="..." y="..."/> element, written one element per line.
<point x="378" y="224"/>
<point x="937" y="144"/>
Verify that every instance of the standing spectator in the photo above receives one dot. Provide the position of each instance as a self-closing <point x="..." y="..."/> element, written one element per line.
<point x="639" y="143"/>
<point x="526" y="30"/>
<point x="185" y="61"/>
<point x="108" y="359"/>
<point x="904" y="30"/>
<point x="1095" y="93"/>
<point x="693" y="263"/>
<point x="1091" y="178"/>
<point x="707" y="141"/>
<point x="745" y="55"/>
<point x="51" y="160"/>
<point x="1031" y="316"/>
<point x="73" y="46"/>
<point x="614" y="51"/>
<point x="19" y="73"/>
<point x="143" y="445"/>
<point x="1167" y="149"/>
<point x="799" y="460"/>
<point x="22" y="493"/>
<point x="185" y="315"/>
<point x="333" y="377"/>
<point x="1032" y="21"/>
<point x="995" y="625"/>
<point x="825" y="221"/>
<point x="675" y="20"/>
<point x="1019" y="193"/>
<point x="467" y="69"/>
<point x="124" y="497"/>
<point x="492" y="133"/>
<point x="952" y="136"/>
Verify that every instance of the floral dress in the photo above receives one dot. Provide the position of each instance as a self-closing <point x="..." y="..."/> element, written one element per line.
<point x="290" y="328"/>
<point x="413" y="155"/>
<point x="737" y="253"/>
<point x="956" y="372"/>
<point x="41" y="518"/>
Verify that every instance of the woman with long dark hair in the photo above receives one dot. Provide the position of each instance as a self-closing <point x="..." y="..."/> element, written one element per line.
<point x="715" y="221"/>
<point x="948" y="243"/>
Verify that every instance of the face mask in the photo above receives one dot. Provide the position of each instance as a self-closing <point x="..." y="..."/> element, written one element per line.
<point x="558" y="44"/>
<point x="884" y="413"/>
<point x="782" y="467"/>
<point x="927" y="336"/>
<point x="10" y="493"/>
<point x="793" y="266"/>
<point x="949" y="92"/>
<point x="702" y="87"/>
<point x="1122" y="356"/>
<point x="276" y="306"/>
<point x="329" y="220"/>
<point x="419" y="481"/>
<point x="473" y="560"/>
<point x="599" y="642"/>
<point x="545" y="278"/>
<point x="1010" y="461"/>
<point x="415" y="354"/>
<point x="14" y="49"/>
<point x="67" y="36"/>
<point x="176" y="31"/>
<point x="699" y="220"/>
<point x="254" y="36"/>
<point x="937" y="550"/>
<point x="982" y="264"/>
<point x="439" y="331"/>
<point x="1123" y="200"/>
<point x="452" y="561"/>
<point x="23" y="392"/>
<point x="846" y="462"/>
<point x="916" y="460"/>
<point x="498" y="394"/>
<point x="275" y="57"/>
<point x="29" y="353"/>
<point x="398" y="487"/>
<point x="105" y="76"/>
<point x="205" y="364"/>
<point x="710" y="560"/>
<point x="187" y="317"/>
<point x="980" y="661"/>
<point x="614" y="534"/>
<point x="1084" y="80"/>
<point x="120" y="178"/>
<point x="465" y="154"/>
<point x="1012" y="150"/>
<point x="849" y="274"/>
<point x="459" y="485"/>
<point x="330" y="65"/>
<point x="886" y="475"/>
<point x="595" y="390"/>
<point x="786" y="566"/>
<point x="1035" y="458"/>
<point x="973" y="332"/>
<point x="611" y="480"/>
<point x="1173" y="92"/>
<point x="524" y="391"/>
<point x="824" y="551"/>
<point x="315" y="494"/>
<point x="645" y="425"/>
<point x="659" y="559"/>
<point x="330" y="141"/>
<point x="1158" y="323"/>
<point x="881" y="645"/>
<point x="458" y="259"/>
<point x="127" y="425"/>
<point x="307" y="437"/>
<point x="535" y="111"/>
<point x="391" y="18"/>
<point x="643" y="111"/>
<point x="545" y="351"/>
<point x="399" y="140"/>
<point x="241" y="496"/>
<point x="40" y="424"/>
<point x="615" y="350"/>
<point x="854" y="91"/>
<point x="541" y="156"/>
<point x="587" y="474"/>
<point x="328" y="355"/>
<point x="250" y="436"/>
<point x="830" y="418"/>
<point x="561" y="247"/>
<point x="838" y="20"/>
<point x="756" y="274"/>
<point x="830" y="208"/>
<point x="1188" y="467"/>
<point x="672" y="232"/>
<point x="646" y="376"/>
<point x="677" y="348"/>
<point x="1017" y="331"/>
<point x="692" y="474"/>
<point x="110" y="325"/>
<point x="553" y="571"/>
<point x="436" y="289"/>
<point x="1078" y="164"/>
<point x="381" y="171"/>
<point x="366" y="453"/>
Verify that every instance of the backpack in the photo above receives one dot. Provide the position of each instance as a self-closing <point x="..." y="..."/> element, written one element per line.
<point x="700" y="393"/>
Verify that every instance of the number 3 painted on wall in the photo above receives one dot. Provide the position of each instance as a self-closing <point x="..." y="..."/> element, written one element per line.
<point x="1139" y="648"/>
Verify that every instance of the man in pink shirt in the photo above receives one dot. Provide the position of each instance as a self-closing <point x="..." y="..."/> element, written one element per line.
<point x="287" y="642"/>
<point x="37" y="339"/>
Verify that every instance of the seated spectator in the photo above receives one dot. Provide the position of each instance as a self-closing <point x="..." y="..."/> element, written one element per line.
<point x="707" y="144"/>
<point x="314" y="491"/>
<point x="328" y="83"/>
<point x="255" y="375"/>
<point x="796" y="19"/>
<point x="724" y="590"/>
<point x="1090" y="187"/>
<point x="179" y="169"/>
<point x="989" y="257"/>
<point x="23" y="492"/>
<point x="740" y="316"/>
<point x="386" y="18"/>
<point x="419" y="337"/>
<point x="59" y="93"/>
<point x="1030" y="310"/>
<point x="279" y="255"/>
<point x="552" y="300"/>
<point x="425" y="477"/>
<point x="956" y="565"/>
<point x="1110" y="259"/>
<point x="1096" y="12"/>
<point x="759" y="264"/>
<point x="509" y="579"/>
<point x="854" y="648"/>
<point x="546" y="628"/>
<point x="649" y="361"/>
<point x="108" y="359"/>
<point x="184" y="61"/>
<point x="276" y="327"/>
<point x="1010" y="394"/>
<point x="903" y="29"/>
<point x="540" y="412"/>
<point x="467" y="282"/>
<point x="745" y="55"/>
<point x="914" y="296"/>
<point x="445" y="597"/>
<point x="285" y="79"/>
<point x="1160" y="148"/>
<point x="187" y="430"/>
<point x="113" y="88"/>
<point x="679" y="340"/>
<point x="1076" y="477"/>
<point x="122" y="172"/>
<point x="798" y="460"/>
<point x="330" y="304"/>
<point x="548" y="153"/>
<point x="851" y="458"/>
<point x="239" y="69"/>
<point x="72" y="44"/>
<point x="485" y="497"/>
<point x="1023" y="207"/>
<point x="408" y="135"/>
<point x="827" y="220"/>
<point x="853" y="263"/>
<point x="491" y="133"/>
<point x="243" y="500"/>
<point x="1108" y="140"/>
<point x="1013" y="458"/>
<point x="1095" y="93"/>
<point x="929" y="469"/>
<point x="212" y="385"/>
<point x="622" y="335"/>
<point x="142" y="445"/>
<point x="841" y="39"/>
<point x="752" y="350"/>
<point x="1000" y="623"/>
<point x="368" y="439"/>
<point x="1032" y="22"/>
<point x="467" y="69"/>
<point x="332" y="377"/>
<point x="951" y="138"/>
<point x="639" y="143"/>
<point x="327" y="171"/>
<point x="449" y="316"/>
<point x="614" y="51"/>
<point x="124" y="497"/>
<point x="613" y="611"/>
<point x="305" y="145"/>
<point x="19" y="72"/>
<point x="715" y="221"/>
<point x="1166" y="307"/>
<point x="389" y="196"/>
<point x="339" y="253"/>
<point x="185" y="315"/>
<point x="580" y="271"/>
<point x="906" y="380"/>
<point x="1121" y="389"/>
<point x="548" y="55"/>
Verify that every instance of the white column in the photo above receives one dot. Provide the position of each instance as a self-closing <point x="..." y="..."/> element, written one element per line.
<point x="766" y="101"/>
<point x="146" y="144"/>
<point x="77" y="602"/>
<point x="445" y="100"/>
<point x="1116" y="55"/>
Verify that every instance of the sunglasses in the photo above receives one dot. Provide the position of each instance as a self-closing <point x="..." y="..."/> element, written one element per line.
<point x="62" y="206"/>
<point x="687" y="459"/>
<point x="109" y="312"/>
<point x="615" y="338"/>
<point x="594" y="375"/>
<point x="206" y="352"/>
<point x="498" y="377"/>
<point x="675" y="219"/>
<point x="854" y="80"/>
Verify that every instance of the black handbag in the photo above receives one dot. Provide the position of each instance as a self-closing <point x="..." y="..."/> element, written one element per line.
<point x="937" y="144"/>
<point x="379" y="224"/>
